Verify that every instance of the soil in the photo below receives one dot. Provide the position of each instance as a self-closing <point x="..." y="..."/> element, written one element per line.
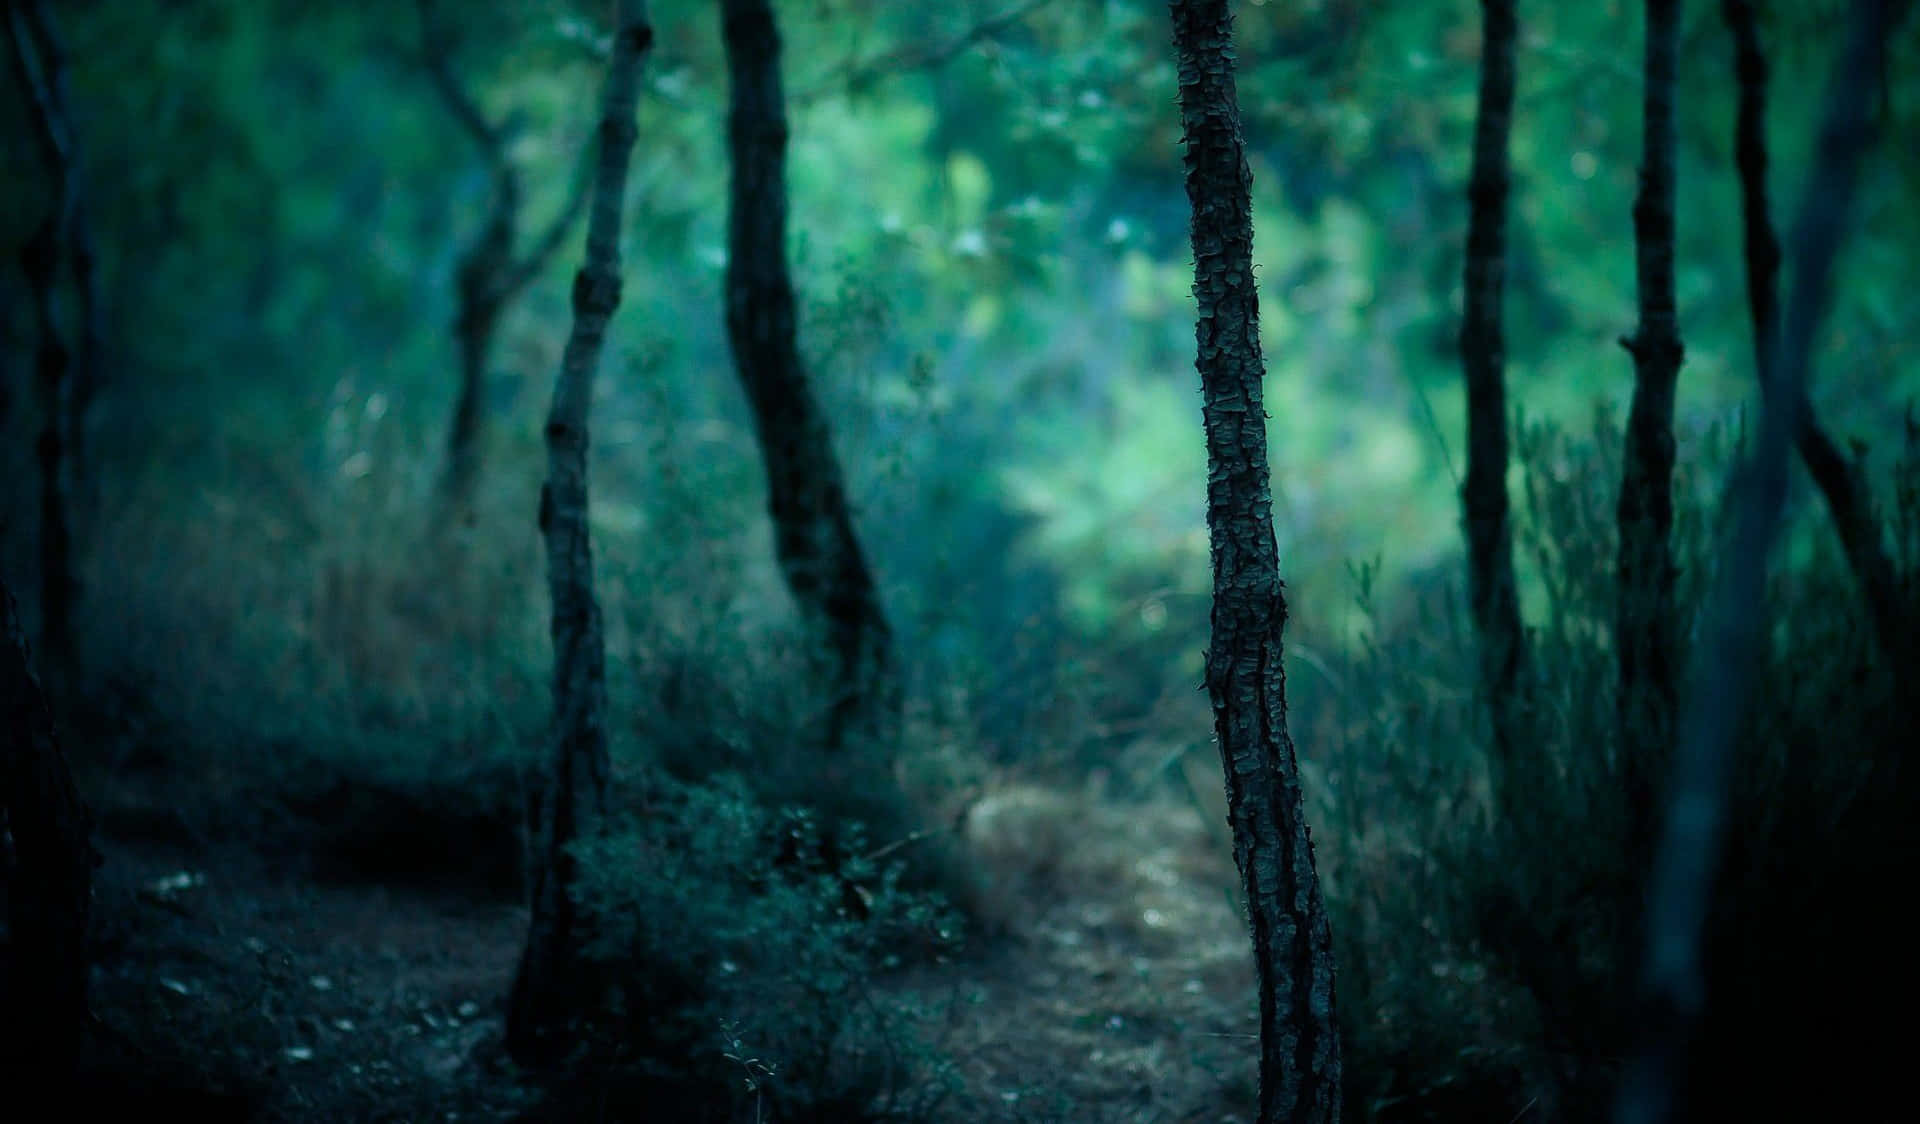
<point x="1111" y="983"/>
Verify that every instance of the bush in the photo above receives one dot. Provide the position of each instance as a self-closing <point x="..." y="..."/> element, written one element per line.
<point x="1489" y="948"/>
<point x="741" y="949"/>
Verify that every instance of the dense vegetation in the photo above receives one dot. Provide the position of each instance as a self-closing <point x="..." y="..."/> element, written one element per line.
<point x="967" y="858"/>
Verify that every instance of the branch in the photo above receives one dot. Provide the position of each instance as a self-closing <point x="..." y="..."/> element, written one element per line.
<point x="520" y="273"/>
<point x="435" y="47"/>
<point x="919" y="56"/>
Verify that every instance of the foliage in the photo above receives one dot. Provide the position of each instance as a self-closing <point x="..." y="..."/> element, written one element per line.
<point x="735" y="938"/>
<point x="1484" y="947"/>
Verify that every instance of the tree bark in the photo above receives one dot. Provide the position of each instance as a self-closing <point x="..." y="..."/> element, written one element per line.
<point x="490" y="277"/>
<point x="1674" y="980"/>
<point x="1292" y="938"/>
<point x="1840" y="483"/>
<point x="49" y="881"/>
<point x="819" y="552"/>
<point x="1493" y="590"/>
<point x="1645" y="625"/>
<point x="65" y="375"/>
<point x="552" y="989"/>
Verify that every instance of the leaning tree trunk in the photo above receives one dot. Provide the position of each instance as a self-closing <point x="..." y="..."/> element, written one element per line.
<point x="552" y="988"/>
<point x="43" y="979"/>
<point x="1292" y="939"/>
<point x="1674" y="977"/>
<point x="1838" y="479"/>
<point x="819" y="552"/>
<point x="1645" y="626"/>
<point x="65" y="376"/>
<point x="1493" y="592"/>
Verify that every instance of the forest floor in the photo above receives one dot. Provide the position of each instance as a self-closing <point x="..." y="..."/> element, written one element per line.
<point x="237" y="985"/>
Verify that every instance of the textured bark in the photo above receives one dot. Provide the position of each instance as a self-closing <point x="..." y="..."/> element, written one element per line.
<point x="819" y="551"/>
<point x="1292" y="939"/>
<point x="1645" y="627"/>
<point x="1674" y="984"/>
<point x="490" y="275"/>
<point x="1839" y="480"/>
<point x="1493" y="591"/>
<point x="553" y="989"/>
<point x="65" y="375"/>
<point x="49" y="879"/>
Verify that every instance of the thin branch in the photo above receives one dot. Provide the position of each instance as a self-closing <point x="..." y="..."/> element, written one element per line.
<point x="910" y="57"/>
<point x="521" y="272"/>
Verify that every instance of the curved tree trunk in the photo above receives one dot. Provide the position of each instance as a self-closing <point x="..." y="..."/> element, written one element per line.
<point x="1838" y="479"/>
<point x="1292" y="939"/>
<point x="490" y="276"/>
<point x="1493" y="591"/>
<point x="1674" y="978"/>
<point x="551" y="989"/>
<point x="1645" y="628"/>
<point x="49" y="880"/>
<point x="818" y="549"/>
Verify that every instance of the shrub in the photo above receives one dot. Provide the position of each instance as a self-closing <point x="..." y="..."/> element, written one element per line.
<point x="741" y="948"/>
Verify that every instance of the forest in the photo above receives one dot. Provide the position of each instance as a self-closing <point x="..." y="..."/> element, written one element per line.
<point x="1031" y="561"/>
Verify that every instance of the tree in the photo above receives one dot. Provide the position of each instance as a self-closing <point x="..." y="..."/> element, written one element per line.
<point x="1674" y="977"/>
<point x="1839" y="480"/>
<point x="1493" y="593"/>
<point x="1645" y="628"/>
<point x="49" y="880"/>
<point x="66" y="376"/>
<point x="490" y="275"/>
<point x="551" y="988"/>
<point x="819" y="551"/>
<point x="1292" y="938"/>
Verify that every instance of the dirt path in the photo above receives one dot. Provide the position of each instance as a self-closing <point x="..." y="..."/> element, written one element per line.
<point x="1117" y="992"/>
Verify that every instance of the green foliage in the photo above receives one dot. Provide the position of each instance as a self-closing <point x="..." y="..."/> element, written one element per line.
<point x="1487" y="946"/>
<point x="736" y="939"/>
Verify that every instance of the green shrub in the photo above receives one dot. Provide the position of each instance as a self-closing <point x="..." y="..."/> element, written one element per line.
<point x="1489" y="947"/>
<point x="741" y="949"/>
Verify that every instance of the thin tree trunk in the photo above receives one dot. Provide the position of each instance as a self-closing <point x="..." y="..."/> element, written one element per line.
<point x="64" y="377"/>
<point x="43" y="982"/>
<point x="1493" y="592"/>
<point x="490" y="277"/>
<point x="1674" y="982"/>
<point x="1246" y="680"/>
<point x="818" y="549"/>
<point x="1838" y="479"/>
<point x="1645" y="625"/>
<point x="552" y="988"/>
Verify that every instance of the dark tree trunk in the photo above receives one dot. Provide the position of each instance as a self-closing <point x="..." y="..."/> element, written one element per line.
<point x="1645" y="625"/>
<point x="1674" y="979"/>
<point x="65" y="375"/>
<point x="1838" y="479"/>
<point x="819" y="552"/>
<point x="1292" y="939"/>
<point x="1493" y="592"/>
<point x="48" y="878"/>
<point x="490" y="276"/>
<point x="552" y="989"/>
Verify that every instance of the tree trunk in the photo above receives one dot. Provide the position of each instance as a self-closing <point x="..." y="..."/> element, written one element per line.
<point x="64" y="377"/>
<point x="49" y="879"/>
<point x="1645" y="628"/>
<point x="1839" y="480"/>
<point x="1674" y="976"/>
<point x="1292" y="939"/>
<point x="1493" y="592"/>
<point x="819" y="552"/>
<point x="490" y="277"/>
<point x="552" y="988"/>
